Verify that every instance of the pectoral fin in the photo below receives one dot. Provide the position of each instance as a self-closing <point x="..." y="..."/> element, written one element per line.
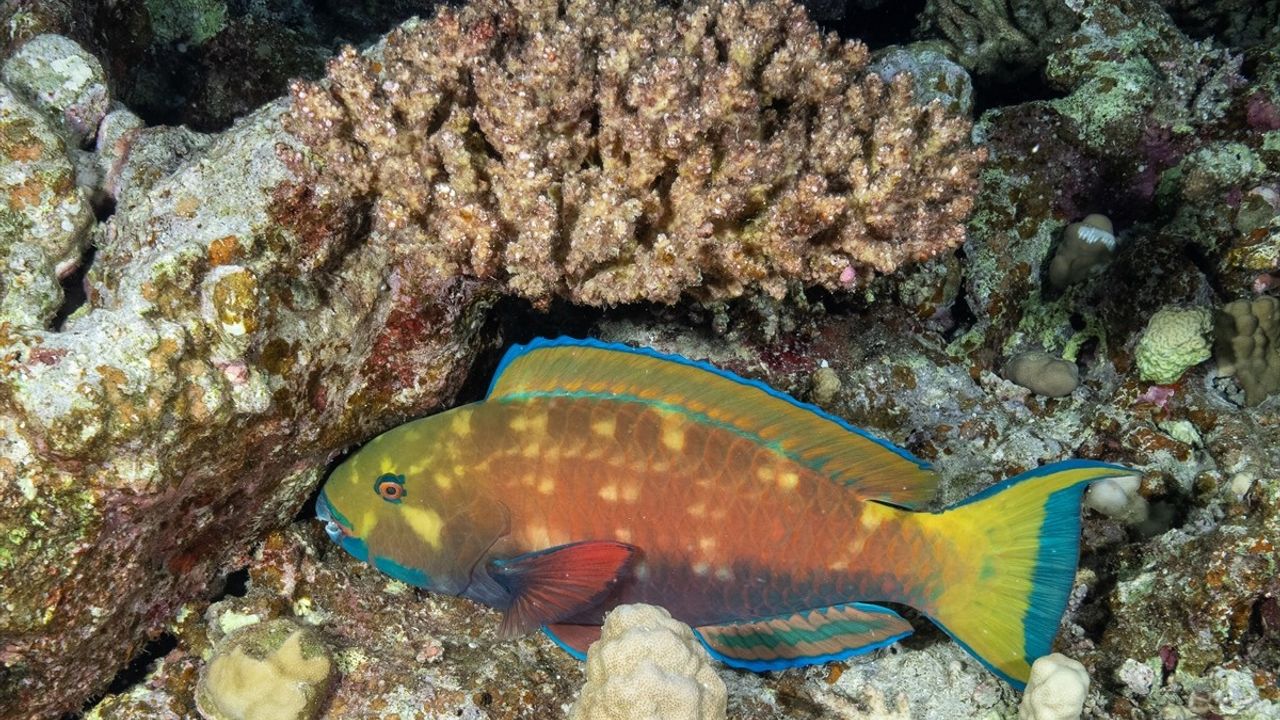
<point x="552" y="585"/>
<point x="805" y="638"/>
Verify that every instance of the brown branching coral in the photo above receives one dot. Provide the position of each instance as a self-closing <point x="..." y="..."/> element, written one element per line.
<point x="609" y="153"/>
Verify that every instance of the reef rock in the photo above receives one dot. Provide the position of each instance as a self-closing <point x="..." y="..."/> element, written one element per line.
<point x="232" y="343"/>
<point x="44" y="216"/>
<point x="63" y="81"/>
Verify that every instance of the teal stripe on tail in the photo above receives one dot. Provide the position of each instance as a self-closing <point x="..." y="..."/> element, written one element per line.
<point x="1014" y="549"/>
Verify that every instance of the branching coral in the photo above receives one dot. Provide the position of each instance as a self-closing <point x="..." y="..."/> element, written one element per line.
<point x="617" y="152"/>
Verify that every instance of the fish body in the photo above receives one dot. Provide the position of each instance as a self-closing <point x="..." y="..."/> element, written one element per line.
<point x="595" y="475"/>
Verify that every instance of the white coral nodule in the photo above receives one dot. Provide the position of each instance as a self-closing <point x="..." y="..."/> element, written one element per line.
<point x="648" y="666"/>
<point x="1056" y="690"/>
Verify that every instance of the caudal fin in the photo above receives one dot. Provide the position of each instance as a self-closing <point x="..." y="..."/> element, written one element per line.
<point x="1018" y="544"/>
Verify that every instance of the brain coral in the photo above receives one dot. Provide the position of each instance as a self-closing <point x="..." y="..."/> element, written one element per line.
<point x="612" y="152"/>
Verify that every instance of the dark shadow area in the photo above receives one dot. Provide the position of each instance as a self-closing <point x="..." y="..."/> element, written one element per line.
<point x="889" y="23"/>
<point x="134" y="672"/>
<point x="237" y="585"/>
<point x="1001" y="91"/>
<point x="73" y="290"/>
<point x="516" y="321"/>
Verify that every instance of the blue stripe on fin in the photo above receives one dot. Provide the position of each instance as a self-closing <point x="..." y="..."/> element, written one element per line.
<point x="573" y="639"/>
<point x="809" y="638"/>
<point x="871" y="467"/>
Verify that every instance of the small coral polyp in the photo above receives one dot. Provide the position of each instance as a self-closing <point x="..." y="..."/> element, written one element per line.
<point x="609" y="152"/>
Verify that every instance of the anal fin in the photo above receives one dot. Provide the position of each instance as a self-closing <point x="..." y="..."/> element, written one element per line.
<point x="804" y="638"/>
<point x="573" y="639"/>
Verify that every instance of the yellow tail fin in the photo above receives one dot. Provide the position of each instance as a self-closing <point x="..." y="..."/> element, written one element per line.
<point x="1021" y="543"/>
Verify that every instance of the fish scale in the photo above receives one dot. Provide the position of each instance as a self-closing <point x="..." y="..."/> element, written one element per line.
<point x="715" y="478"/>
<point x="595" y="474"/>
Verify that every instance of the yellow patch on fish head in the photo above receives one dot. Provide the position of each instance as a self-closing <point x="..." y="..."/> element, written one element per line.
<point x="426" y="523"/>
<point x="406" y="504"/>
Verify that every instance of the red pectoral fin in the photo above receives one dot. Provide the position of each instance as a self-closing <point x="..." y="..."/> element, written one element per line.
<point x="555" y="584"/>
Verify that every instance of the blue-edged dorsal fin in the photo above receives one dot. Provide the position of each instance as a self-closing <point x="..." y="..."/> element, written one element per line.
<point x="871" y="468"/>
<point x="804" y="638"/>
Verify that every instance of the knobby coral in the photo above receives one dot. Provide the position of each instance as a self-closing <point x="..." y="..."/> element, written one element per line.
<point x="612" y="152"/>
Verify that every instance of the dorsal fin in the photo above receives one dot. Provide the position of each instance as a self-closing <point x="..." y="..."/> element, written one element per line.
<point x="871" y="468"/>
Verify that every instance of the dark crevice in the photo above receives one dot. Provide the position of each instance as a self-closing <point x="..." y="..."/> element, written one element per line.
<point x="237" y="584"/>
<point x="134" y="672"/>
<point x="992" y="91"/>
<point x="515" y="320"/>
<point x="890" y="23"/>
<point x="963" y="317"/>
<point x="74" y="294"/>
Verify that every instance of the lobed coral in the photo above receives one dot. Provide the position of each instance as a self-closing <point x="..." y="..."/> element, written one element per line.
<point x="611" y="152"/>
<point x="1086" y="246"/>
<point x="648" y="666"/>
<point x="1247" y="345"/>
<point x="1043" y="374"/>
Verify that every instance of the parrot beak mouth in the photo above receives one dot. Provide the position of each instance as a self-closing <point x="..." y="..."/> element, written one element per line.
<point x="334" y="524"/>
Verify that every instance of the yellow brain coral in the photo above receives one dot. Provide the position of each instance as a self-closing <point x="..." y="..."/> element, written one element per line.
<point x="287" y="682"/>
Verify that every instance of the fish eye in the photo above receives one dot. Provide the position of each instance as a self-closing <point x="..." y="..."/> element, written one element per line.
<point x="390" y="487"/>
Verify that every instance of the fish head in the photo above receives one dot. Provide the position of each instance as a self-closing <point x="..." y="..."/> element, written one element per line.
<point x="393" y="506"/>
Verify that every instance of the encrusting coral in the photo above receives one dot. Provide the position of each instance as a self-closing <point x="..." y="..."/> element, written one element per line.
<point x="647" y="666"/>
<point x="610" y="152"/>
<point x="288" y="681"/>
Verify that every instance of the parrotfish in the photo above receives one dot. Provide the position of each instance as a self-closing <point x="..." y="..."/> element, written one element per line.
<point x="596" y="474"/>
